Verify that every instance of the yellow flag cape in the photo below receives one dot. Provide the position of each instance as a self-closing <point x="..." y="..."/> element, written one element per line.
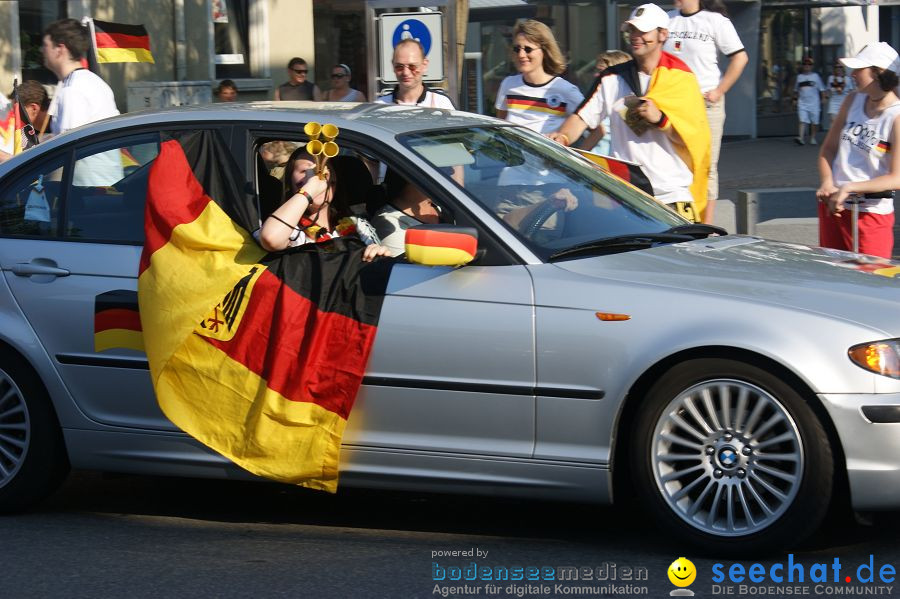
<point x="674" y="89"/>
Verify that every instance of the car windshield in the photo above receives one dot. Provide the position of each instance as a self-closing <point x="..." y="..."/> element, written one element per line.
<point x="559" y="203"/>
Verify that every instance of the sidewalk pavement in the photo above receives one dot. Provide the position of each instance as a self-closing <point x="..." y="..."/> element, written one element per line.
<point x="773" y="162"/>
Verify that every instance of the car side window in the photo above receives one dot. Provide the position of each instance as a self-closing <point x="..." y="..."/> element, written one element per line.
<point x="31" y="205"/>
<point x="109" y="189"/>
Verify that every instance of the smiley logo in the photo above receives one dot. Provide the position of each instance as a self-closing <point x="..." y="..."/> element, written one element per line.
<point x="682" y="572"/>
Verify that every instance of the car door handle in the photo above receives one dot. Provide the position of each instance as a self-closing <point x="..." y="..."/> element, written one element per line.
<point x="39" y="266"/>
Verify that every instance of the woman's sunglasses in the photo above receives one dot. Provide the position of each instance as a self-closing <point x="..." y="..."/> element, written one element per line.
<point x="527" y="49"/>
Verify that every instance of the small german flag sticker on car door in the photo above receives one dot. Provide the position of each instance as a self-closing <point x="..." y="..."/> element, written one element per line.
<point x="117" y="323"/>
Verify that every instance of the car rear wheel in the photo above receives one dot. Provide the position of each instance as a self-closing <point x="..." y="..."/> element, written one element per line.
<point x="731" y="457"/>
<point x="33" y="461"/>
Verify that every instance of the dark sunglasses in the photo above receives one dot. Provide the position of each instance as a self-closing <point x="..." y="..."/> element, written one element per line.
<point x="300" y="71"/>
<point x="528" y="49"/>
<point x="338" y="75"/>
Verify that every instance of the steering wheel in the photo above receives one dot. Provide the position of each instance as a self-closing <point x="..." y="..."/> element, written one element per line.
<point x="532" y="223"/>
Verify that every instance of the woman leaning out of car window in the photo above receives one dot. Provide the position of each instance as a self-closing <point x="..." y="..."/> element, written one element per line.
<point x="310" y="214"/>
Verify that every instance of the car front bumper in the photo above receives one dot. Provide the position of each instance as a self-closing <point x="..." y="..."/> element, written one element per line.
<point x="872" y="449"/>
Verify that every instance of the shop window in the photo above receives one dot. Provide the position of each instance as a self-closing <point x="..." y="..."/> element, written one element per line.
<point x="34" y="17"/>
<point x="231" y="29"/>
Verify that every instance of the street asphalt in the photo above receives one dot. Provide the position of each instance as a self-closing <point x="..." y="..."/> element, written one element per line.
<point x="773" y="162"/>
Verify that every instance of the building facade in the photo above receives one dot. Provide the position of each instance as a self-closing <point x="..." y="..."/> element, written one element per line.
<point x="250" y="41"/>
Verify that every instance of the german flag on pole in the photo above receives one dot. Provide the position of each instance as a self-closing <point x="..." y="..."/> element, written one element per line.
<point x="116" y="42"/>
<point x="257" y="356"/>
<point x="674" y="89"/>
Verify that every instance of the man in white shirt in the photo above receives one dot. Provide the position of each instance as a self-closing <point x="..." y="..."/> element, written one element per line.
<point x="640" y="131"/>
<point x="809" y="93"/>
<point x="410" y="65"/>
<point x="81" y="97"/>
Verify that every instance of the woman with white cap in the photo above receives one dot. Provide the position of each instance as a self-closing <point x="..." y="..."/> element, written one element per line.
<point x="861" y="156"/>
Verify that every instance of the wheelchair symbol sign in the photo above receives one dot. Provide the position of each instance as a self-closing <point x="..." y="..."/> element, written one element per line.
<point x="425" y="27"/>
<point x="413" y="29"/>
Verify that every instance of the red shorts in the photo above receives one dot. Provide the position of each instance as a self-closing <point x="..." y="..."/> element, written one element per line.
<point x="876" y="232"/>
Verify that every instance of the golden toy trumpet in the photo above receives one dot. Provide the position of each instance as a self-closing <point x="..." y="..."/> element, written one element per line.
<point x="320" y="150"/>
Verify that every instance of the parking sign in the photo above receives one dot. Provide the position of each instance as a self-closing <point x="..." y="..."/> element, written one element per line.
<point x="426" y="27"/>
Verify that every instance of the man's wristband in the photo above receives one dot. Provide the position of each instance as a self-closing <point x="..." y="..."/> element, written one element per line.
<point x="662" y="120"/>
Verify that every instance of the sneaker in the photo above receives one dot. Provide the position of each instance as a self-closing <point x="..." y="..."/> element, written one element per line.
<point x="813" y="142"/>
<point x="798" y="141"/>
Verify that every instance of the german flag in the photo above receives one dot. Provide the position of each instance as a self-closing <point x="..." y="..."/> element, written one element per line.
<point x="674" y="89"/>
<point x="629" y="172"/>
<point x="883" y="146"/>
<point x="534" y="105"/>
<point x="441" y="245"/>
<point x="116" y="42"/>
<point x="116" y="321"/>
<point x="258" y="356"/>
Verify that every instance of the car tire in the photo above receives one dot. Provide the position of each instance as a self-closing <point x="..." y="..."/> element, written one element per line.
<point x="731" y="458"/>
<point x="33" y="459"/>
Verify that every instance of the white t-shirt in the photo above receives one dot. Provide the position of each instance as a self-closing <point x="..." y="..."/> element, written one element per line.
<point x="541" y="108"/>
<point x="81" y="98"/>
<point x="838" y="89"/>
<point x="808" y="86"/>
<point x="864" y="150"/>
<point x="429" y="98"/>
<point x="698" y="38"/>
<point x="653" y="149"/>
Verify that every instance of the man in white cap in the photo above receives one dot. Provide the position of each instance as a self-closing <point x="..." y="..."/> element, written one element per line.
<point x="663" y="128"/>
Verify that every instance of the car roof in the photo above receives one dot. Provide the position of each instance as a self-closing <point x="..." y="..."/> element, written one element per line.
<point x="371" y="118"/>
<point x="362" y="117"/>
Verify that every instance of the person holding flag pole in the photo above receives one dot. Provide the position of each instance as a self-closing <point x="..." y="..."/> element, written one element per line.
<point x="29" y="110"/>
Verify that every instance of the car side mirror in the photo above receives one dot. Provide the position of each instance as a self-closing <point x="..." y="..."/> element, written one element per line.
<point x="441" y="245"/>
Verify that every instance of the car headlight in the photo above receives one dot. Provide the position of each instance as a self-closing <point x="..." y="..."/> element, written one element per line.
<point x="880" y="357"/>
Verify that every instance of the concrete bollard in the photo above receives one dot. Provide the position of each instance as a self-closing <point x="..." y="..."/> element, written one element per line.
<point x="758" y="205"/>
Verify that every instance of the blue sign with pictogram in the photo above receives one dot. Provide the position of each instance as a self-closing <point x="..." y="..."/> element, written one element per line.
<point x="425" y="27"/>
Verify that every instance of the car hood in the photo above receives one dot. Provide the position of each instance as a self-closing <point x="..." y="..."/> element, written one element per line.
<point x="854" y="287"/>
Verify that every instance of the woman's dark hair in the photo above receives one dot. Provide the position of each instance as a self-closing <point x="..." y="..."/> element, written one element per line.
<point x="339" y="207"/>
<point x="714" y="6"/>
<point x="887" y="80"/>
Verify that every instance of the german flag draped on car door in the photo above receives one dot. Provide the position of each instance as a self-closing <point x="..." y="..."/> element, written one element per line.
<point x="257" y="356"/>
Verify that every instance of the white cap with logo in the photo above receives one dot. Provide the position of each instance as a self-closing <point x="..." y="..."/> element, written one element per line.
<point x="879" y="55"/>
<point x="647" y="17"/>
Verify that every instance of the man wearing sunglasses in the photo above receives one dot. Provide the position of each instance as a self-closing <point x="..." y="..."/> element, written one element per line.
<point x="410" y="65"/>
<point x="298" y="87"/>
<point x="656" y="112"/>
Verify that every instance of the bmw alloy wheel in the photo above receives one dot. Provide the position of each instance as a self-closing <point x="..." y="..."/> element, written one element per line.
<point x="727" y="457"/>
<point x="15" y="429"/>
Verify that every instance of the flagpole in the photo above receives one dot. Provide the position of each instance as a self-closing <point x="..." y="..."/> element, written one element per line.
<point x="17" y="133"/>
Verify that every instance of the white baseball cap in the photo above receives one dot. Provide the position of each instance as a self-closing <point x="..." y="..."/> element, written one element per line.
<point x="647" y="17"/>
<point x="879" y="55"/>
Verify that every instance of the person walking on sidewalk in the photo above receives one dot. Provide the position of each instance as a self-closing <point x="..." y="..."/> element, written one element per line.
<point x="860" y="156"/>
<point x="698" y="31"/>
<point x="839" y="85"/>
<point x="656" y="112"/>
<point x="809" y="92"/>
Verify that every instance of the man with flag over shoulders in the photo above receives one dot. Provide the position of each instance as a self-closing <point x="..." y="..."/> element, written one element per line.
<point x="410" y="65"/>
<point x="81" y="96"/>
<point x="657" y="115"/>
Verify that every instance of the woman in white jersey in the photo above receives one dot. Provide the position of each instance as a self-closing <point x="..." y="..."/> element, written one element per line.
<point x="537" y="97"/>
<point x="860" y="156"/>
<point x="698" y="31"/>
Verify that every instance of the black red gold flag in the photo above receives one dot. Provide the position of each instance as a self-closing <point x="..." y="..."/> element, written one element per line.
<point x="117" y="42"/>
<point x="258" y="356"/>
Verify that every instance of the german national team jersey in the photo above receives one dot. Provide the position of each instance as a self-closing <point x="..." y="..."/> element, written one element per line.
<point x="865" y="150"/>
<point x="698" y="38"/>
<point x="541" y="108"/>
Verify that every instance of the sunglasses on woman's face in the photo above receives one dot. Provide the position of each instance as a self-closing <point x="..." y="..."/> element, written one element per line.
<point x="527" y="49"/>
<point x="338" y="75"/>
<point x="300" y="71"/>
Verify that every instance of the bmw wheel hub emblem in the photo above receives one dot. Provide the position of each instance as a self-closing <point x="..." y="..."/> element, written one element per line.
<point x="728" y="457"/>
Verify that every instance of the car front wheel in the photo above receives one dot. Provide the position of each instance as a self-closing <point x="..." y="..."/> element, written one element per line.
<point x="732" y="458"/>
<point x="33" y="460"/>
